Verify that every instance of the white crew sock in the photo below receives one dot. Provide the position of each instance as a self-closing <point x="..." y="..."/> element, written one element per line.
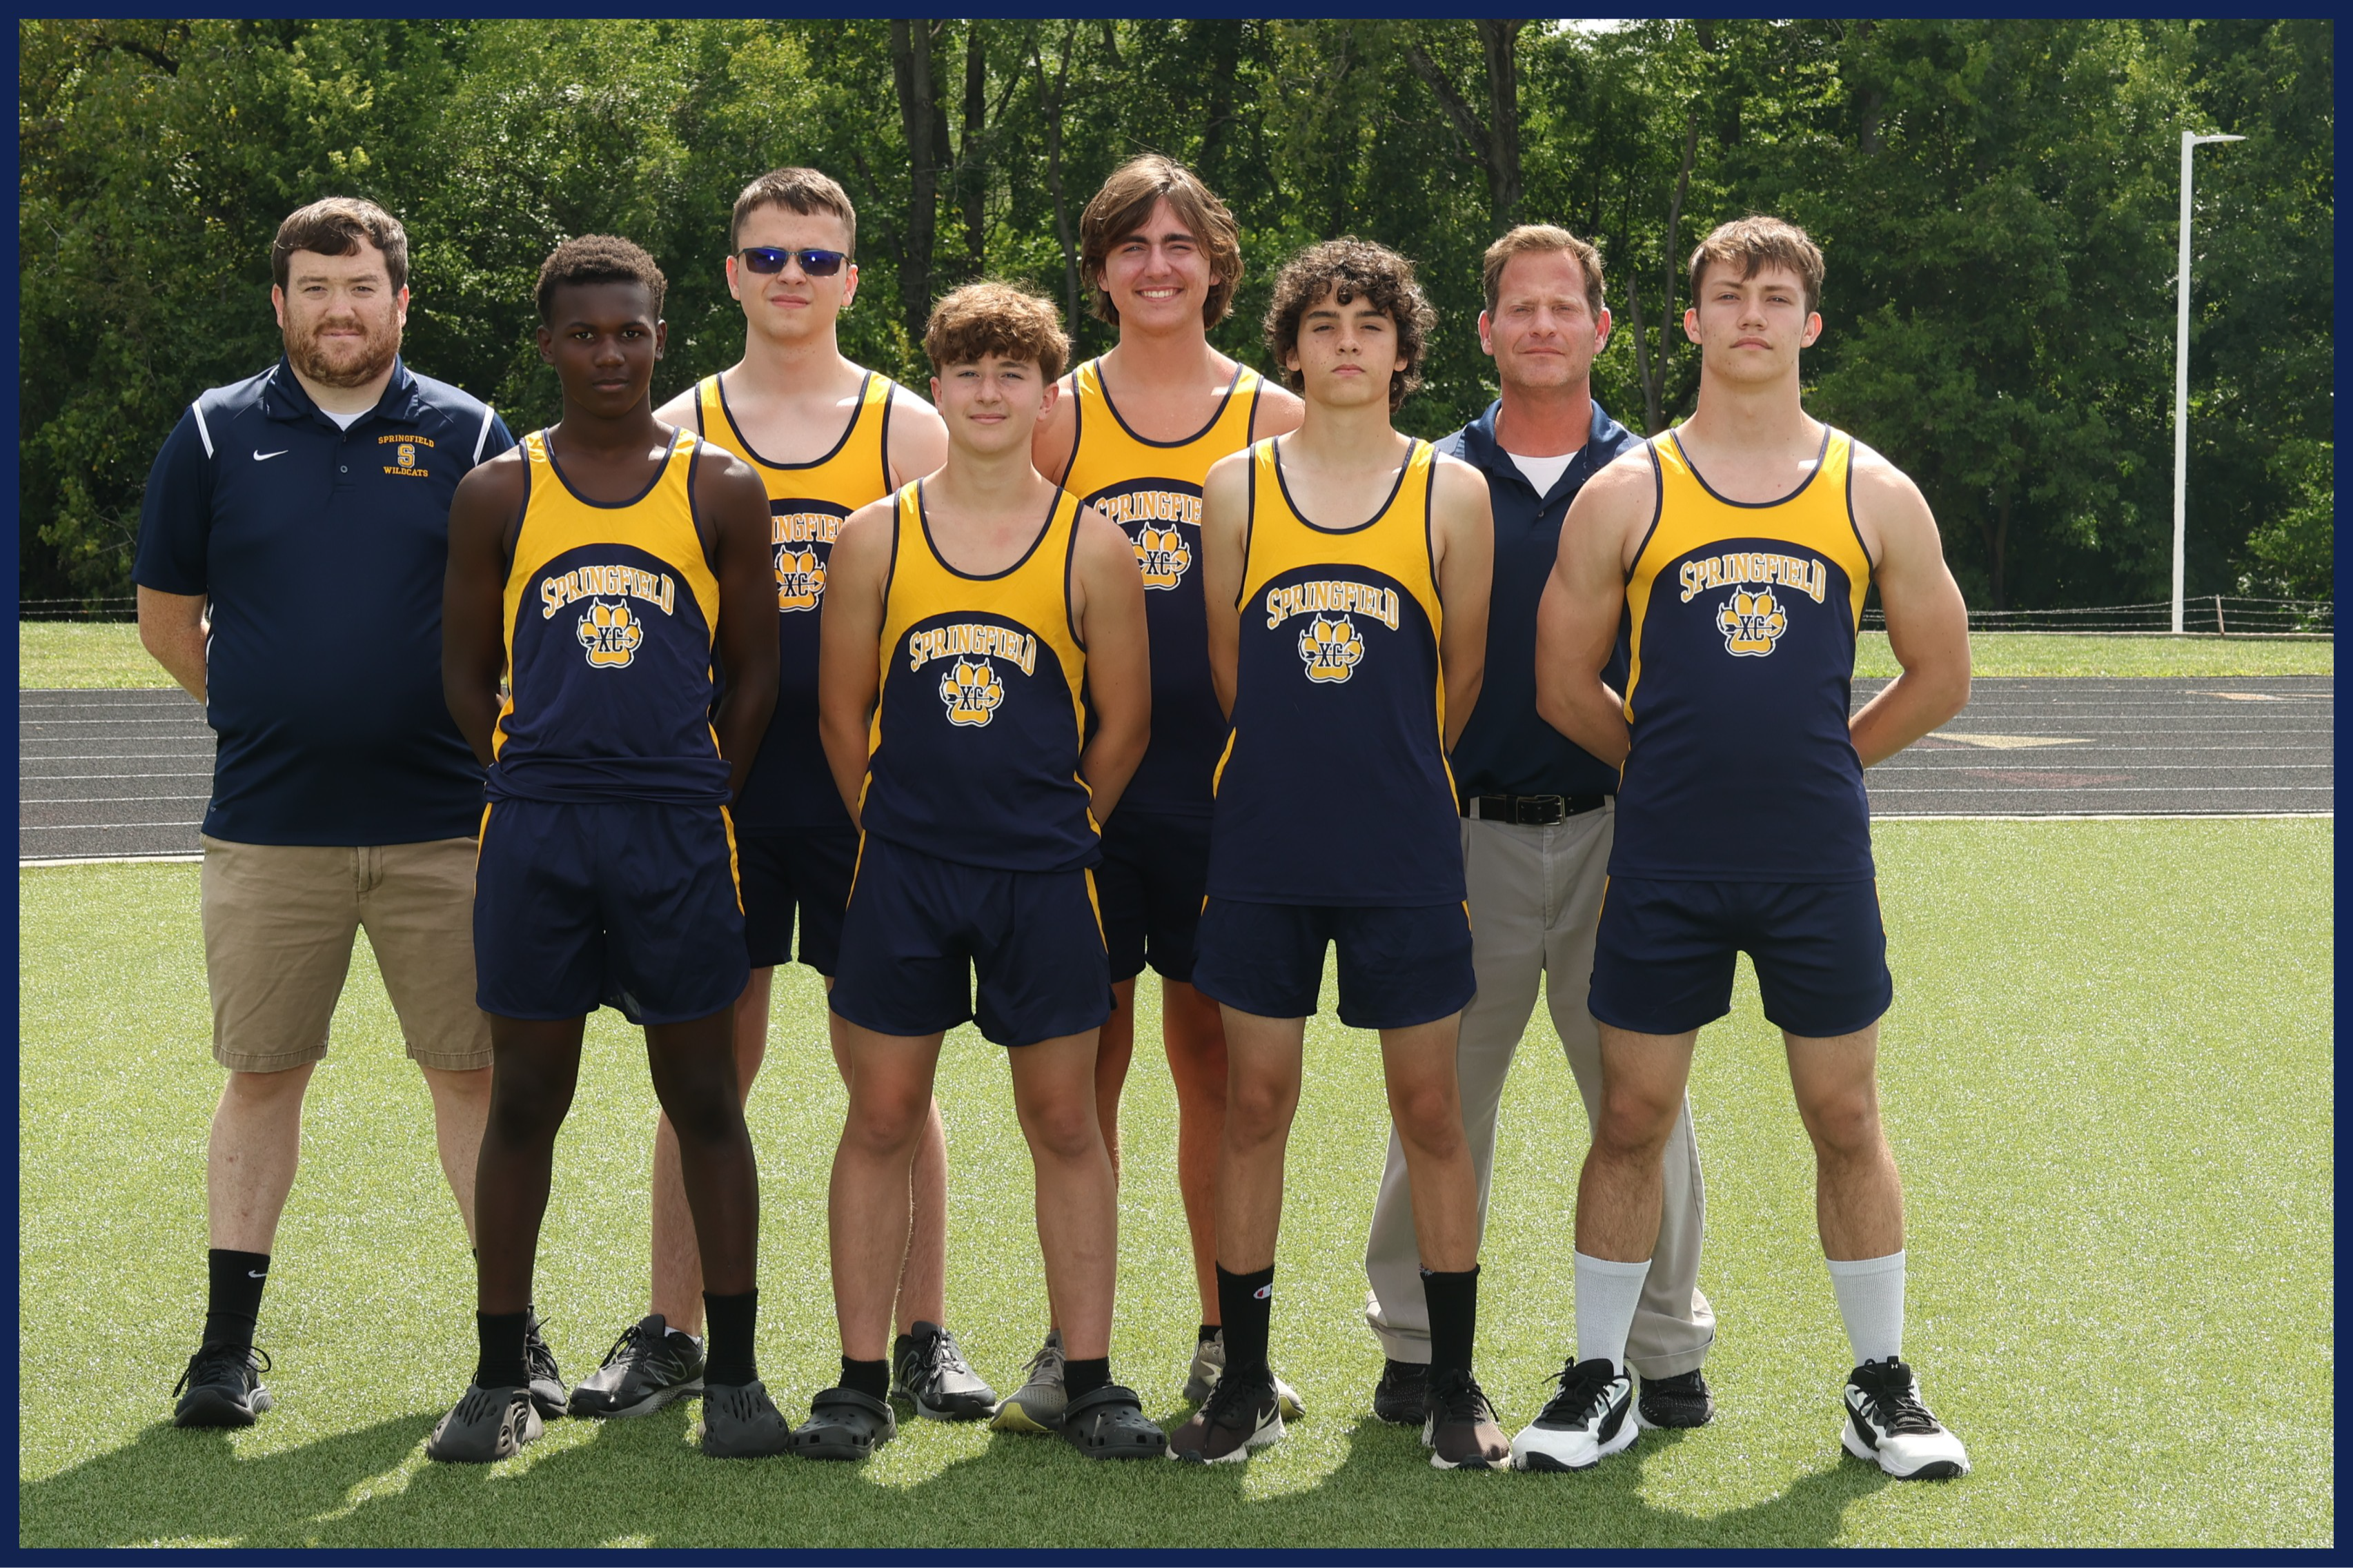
<point x="1606" y="1295"/>
<point x="1870" y="1293"/>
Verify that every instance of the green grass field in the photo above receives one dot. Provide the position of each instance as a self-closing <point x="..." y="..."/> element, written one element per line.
<point x="57" y="654"/>
<point x="2108" y="1077"/>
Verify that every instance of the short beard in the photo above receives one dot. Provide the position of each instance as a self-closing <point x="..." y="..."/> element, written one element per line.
<point x="377" y="351"/>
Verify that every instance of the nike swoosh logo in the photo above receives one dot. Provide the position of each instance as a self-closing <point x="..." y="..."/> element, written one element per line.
<point x="257" y="1273"/>
<point x="261" y="456"/>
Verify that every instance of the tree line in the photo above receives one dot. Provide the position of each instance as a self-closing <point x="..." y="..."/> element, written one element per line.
<point x="1997" y="199"/>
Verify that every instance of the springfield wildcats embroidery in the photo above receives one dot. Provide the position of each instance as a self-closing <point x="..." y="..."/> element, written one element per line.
<point x="971" y="690"/>
<point x="801" y="579"/>
<point x="606" y="582"/>
<point x="1751" y="624"/>
<point x="1161" y="554"/>
<point x="1809" y="576"/>
<point x="404" y="456"/>
<point x="611" y="635"/>
<point x="1331" y="649"/>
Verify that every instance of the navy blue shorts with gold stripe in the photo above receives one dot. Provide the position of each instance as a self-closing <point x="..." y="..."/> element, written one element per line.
<point x="1399" y="965"/>
<point x="632" y="903"/>
<point x="1664" y="958"/>
<point x="919" y="927"/>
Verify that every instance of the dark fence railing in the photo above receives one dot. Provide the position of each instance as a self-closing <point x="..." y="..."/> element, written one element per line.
<point x="102" y="609"/>
<point x="2208" y="615"/>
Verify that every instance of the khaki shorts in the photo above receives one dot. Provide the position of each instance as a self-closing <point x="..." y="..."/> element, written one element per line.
<point x="278" y="921"/>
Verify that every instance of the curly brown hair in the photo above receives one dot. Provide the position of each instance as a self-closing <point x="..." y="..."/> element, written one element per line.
<point x="990" y="318"/>
<point x="598" y="259"/>
<point x="1344" y="268"/>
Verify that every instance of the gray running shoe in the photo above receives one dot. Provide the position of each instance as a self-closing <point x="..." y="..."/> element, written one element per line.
<point x="222" y="1387"/>
<point x="488" y="1424"/>
<point x="546" y="1379"/>
<point x="930" y="1374"/>
<point x="650" y="1365"/>
<point x="1037" y="1404"/>
<point x="740" y="1422"/>
<point x="1210" y="1364"/>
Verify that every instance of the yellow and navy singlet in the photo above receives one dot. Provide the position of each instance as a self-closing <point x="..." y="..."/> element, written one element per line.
<point x="1333" y="788"/>
<point x="611" y="609"/>
<point x="790" y="785"/>
<point x="1152" y="489"/>
<point x="974" y="754"/>
<point x="1743" y="618"/>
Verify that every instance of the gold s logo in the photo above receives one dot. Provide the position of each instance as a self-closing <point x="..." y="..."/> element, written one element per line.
<point x="1163" y="556"/>
<point x="611" y="635"/>
<point x="406" y="453"/>
<point x="1751" y="624"/>
<point x="1331" y="649"/>
<point x="801" y="579"/>
<point x="971" y="691"/>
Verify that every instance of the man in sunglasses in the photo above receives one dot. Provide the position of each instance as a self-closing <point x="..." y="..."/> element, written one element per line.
<point x="826" y="437"/>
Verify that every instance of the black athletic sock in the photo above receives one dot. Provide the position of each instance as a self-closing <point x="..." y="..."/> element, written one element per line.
<point x="233" y="1303"/>
<point x="501" y="1362"/>
<point x="1454" y="1303"/>
<point x="1081" y="1378"/>
<point x="871" y="1378"/>
<point x="1208" y="1332"/>
<point x="1246" y="1301"/>
<point x="727" y="1328"/>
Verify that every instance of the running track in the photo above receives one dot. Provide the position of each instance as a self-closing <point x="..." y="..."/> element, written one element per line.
<point x="116" y="774"/>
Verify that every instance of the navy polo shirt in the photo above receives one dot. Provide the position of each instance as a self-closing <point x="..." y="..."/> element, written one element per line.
<point x="322" y="550"/>
<point x="1505" y="748"/>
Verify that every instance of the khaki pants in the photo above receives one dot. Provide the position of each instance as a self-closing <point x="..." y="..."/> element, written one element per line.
<point x="1536" y="901"/>
<point x="279" y="923"/>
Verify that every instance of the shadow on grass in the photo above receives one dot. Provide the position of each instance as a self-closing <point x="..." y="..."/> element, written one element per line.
<point x="641" y="1482"/>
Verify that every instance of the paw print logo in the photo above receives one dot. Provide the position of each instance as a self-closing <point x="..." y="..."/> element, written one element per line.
<point x="971" y="691"/>
<point x="1751" y="624"/>
<point x="1331" y="649"/>
<point x="801" y="579"/>
<point x="1163" y="556"/>
<point x="611" y="635"/>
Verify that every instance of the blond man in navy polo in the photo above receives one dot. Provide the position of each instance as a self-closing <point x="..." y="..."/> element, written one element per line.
<point x="291" y="547"/>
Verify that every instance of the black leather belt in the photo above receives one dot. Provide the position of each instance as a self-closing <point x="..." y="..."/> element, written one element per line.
<point x="1530" y="810"/>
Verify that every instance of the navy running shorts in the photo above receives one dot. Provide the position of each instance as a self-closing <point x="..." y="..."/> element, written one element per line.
<point x="918" y="927"/>
<point x="632" y="903"/>
<point x="1399" y="965"/>
<point x="1155" y="866"/>
<point x="1664" y="958"/>
<point x="808" y="869"/>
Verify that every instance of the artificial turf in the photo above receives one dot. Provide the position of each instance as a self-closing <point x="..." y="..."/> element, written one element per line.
<point x="2108" y="1076"/>
<point x="64" y="654"/>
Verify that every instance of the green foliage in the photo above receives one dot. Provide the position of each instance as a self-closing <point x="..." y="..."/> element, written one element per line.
<point x="1997" y="199"/>
<point x="2107" y="1077"/>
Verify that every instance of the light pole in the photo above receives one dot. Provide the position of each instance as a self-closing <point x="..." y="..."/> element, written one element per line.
<point x="2181" y="379"/>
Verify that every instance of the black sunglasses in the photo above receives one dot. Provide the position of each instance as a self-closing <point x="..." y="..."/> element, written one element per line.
<point x="768" y="259"/>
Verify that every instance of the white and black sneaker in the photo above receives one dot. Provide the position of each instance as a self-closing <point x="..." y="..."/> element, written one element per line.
<point x="932" y="1375"/>
<point x="1886" y="1424"/>
<point x="1589" y="1419"/>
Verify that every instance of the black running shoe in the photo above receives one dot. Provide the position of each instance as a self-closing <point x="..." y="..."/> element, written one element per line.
<point x="1402" y="1392"/>
<point x="1459" y="1429"/>
<point x="650" y="1365"/>
<point x="1589" y="1419"/>
<point x="1244" y="1413"/>
<point x="222" y="1387"/>
<point x="740" y="1422"/>
<point x="844" y="1424"/>
<point x="930" y="1372"/>
<point x="487" y="1423"/>
<point x="546" y="1381"/>
<point x="1682" y="1400"/>
<point x="1887" y="1425"/>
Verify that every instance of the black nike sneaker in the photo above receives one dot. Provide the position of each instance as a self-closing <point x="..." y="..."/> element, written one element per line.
<point x="546" y="1379"/>
<point x="1458" y="1428"/>
<point x="222" y="1387"/>
<point x="1244" y="1413"/>
<point x="932" y="1375"/>
<point x="650" y="1365"/>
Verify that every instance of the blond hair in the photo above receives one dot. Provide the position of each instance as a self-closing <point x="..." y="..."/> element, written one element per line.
<point x="1540" y="240"/>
